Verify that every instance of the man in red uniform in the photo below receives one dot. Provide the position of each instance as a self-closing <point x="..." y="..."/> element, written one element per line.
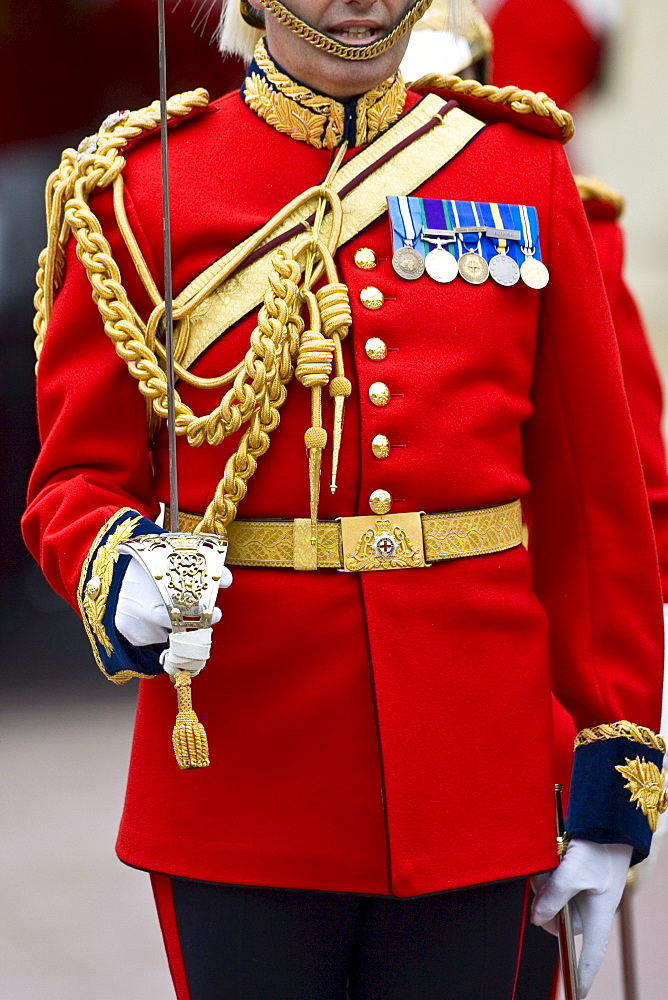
<point x="355" y="716"/>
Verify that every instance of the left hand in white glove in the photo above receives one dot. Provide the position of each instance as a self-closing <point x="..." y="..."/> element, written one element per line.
<point x="187" y="651"/>
<point x="591" y="876"/>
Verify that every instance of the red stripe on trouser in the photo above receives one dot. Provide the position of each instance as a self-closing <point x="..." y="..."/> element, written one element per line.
<point x="520" y="940"/>
<point x="164" y="901"/>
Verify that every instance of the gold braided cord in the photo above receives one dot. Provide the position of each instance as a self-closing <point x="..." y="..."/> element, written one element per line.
<point x="234" y="262"/>
<point x="613" y="730"/>
<point x="259" y="382"/>
<point x="278" y="335"/>
<point x="130" y="241"/>
<point x="130" y="337"/>
<point x="354" y="53"/>
<point x="97" y="165"/>
<point x="592" y="189"/>
<point x="523" y="102"/>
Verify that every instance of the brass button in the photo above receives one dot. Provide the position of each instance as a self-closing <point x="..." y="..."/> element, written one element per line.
<point x="376" y="349"/>
<point x="379" y="394"/>
<point x="380" y="502"/>
<point x="365" y="259"/>
<point x="380" y="446"/>
<point x="371" y="298"/>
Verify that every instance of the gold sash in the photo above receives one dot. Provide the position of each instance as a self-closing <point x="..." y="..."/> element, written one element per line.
<point x="405" y="171"/>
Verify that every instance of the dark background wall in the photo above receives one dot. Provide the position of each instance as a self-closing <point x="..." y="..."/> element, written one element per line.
<point x="64" y="66"/>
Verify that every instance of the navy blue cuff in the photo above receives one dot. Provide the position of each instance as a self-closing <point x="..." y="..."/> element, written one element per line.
<point x="614" y="793"/>
<point x="100" y="584"/>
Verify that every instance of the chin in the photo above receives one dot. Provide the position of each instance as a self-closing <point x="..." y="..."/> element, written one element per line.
<point x="344" y="78"/>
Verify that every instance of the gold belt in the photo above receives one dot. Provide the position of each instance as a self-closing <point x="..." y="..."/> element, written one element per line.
<point x="354" y="544"/>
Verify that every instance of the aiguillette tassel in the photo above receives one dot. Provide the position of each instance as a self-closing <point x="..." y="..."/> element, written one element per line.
<point x="189" y="737"/>
<point x="315" y="440"/>
<point x="339" y="389"/>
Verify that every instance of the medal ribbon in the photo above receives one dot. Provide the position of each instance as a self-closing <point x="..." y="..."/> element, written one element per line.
<point x="436" y="217"/>
<point x="411" y="216"/>
<point x="465" y="213"/>
<point x="525" y="218"/>
<point x="501" y="243"/>
<point x="406" y="217"/>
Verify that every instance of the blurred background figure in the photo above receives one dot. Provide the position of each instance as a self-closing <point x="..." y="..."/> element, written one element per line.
<point x="557" y="46"/>
<point x="65" y="66"/>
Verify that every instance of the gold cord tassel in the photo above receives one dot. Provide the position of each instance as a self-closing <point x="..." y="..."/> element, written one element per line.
<point x="336" y="318"/>
<point x="189" y="737"/>
<point x="314" y="368"/>
<point x="315" y="440"/>
<point x="339" y="388"/>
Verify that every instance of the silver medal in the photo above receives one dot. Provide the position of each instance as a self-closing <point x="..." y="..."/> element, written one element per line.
<point x="441" y="266"/>
<point x="504" y="270"/>
<point x="408" y="263"/>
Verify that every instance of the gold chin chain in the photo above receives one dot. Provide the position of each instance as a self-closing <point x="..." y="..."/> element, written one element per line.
<point x="355" y="53"/>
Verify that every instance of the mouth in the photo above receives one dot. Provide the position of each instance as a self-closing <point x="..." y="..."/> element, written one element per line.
<point x="356" y="32"/>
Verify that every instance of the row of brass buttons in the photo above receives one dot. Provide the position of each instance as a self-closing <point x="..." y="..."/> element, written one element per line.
<point x="372" y="298"/>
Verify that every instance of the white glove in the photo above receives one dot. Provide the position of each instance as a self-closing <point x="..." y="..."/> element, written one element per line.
<point x="593" y="876"/>
<point x="141" y="616"/>
<point x="187" y="651"/>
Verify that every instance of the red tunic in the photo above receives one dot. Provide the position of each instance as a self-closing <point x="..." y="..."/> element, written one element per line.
<point x="378" y="732"/>
<point x="641" y="378"/>
<point x="643" y="389"/>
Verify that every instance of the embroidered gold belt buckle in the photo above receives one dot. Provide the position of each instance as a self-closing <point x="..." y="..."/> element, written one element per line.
<point x="393" y="541"/>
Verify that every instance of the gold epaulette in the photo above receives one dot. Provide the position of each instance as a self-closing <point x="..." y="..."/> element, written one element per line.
<point x="96" y="164"/>
<point x="522" y="102"/>
<point x="592" y="189"/>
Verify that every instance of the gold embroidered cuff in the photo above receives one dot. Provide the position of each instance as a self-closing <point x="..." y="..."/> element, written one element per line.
<point x="612" y="730"/>
<point x="95" y="584"/>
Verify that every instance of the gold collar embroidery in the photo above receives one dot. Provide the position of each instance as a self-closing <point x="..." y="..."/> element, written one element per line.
<point x="321" y="121"/>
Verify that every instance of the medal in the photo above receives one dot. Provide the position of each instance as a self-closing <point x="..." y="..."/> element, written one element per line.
<point x="504" y="270"/>
<point x="473" y="268"/>
<point x="441" y="265"/>
<point x="533" y="272"/>
<point x="408" y="263"/>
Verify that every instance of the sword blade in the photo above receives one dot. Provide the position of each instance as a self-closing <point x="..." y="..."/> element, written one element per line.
<point x="567" y="954"/>
<point x="629" y="962"/>
<point x="167" y="258"/>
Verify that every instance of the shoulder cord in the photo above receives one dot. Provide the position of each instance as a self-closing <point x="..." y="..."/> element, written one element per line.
<point x="523" y="102"/>
<point x="75" y="180"/>
<point x="258" y="389"/>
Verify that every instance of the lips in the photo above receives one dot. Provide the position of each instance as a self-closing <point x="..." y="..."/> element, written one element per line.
<point x="356" y="32"/>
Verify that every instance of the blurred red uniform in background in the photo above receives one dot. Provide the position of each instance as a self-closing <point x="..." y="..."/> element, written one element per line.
<point x="553" y="46"/>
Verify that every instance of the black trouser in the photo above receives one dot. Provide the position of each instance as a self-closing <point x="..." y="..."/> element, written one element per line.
<point x="538" y="965"/>
<point x="232" y="943"/>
